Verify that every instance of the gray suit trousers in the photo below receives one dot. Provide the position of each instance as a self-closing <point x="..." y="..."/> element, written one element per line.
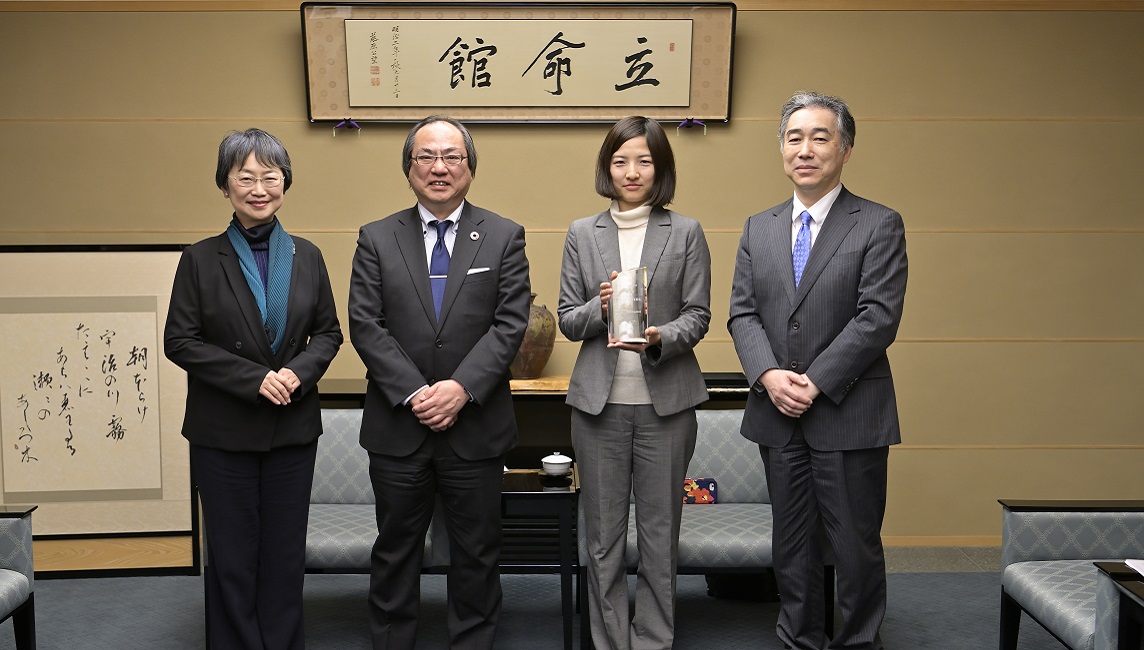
<point x="628" y="449"/>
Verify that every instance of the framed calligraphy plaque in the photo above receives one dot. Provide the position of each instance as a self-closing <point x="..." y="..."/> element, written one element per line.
<point x="551" y="62"/>
<point x="90" y="408"/>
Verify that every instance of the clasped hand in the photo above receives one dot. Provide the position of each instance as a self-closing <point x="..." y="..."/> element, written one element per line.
<point x="437" y="406"/>
<point x="277" y="386"/>
<point x="791" y="393"/>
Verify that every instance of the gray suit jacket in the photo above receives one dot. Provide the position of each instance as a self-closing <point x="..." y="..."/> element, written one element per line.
<point x="395" y="331"/>
<point x="679" y="299"/>
<point x="835" y="327"/>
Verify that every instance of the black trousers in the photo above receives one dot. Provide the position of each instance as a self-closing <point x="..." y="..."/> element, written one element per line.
<point x="841" y="494"/>
<point x="407" y="489"/>
<point x="255" y="507"/>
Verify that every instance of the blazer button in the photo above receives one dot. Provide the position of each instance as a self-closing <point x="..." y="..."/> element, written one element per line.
<point x="238" y="345"/>
<point x="794" y="365"/>
<point x="438" y="343"/>
<point x="292" y="342"/>
<point x="794" y="325"/>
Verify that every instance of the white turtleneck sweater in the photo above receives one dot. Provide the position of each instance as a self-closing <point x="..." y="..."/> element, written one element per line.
<point x="629" y="385"/>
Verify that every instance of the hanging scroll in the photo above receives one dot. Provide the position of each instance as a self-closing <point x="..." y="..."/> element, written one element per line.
<point x="551" y="62"/>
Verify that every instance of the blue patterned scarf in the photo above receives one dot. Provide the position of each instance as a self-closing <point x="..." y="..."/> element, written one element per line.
<point x="272" y="300"/>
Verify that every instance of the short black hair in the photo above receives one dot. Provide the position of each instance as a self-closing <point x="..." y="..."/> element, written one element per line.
<point x="237" y="146"/>
<point x="470" y="148"/>
<point x="634" y="126"/>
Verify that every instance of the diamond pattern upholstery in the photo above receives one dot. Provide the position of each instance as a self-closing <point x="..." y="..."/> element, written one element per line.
<point x="17" y="582"/>
<point x="1061" y="594"/>
<point x="1048" y="572"/>
<point x="735" y="533"/>
<point x="14" y="590"/>
<point x="343" y="524"/>
<point x="341" y="471"/>
<point x="1070" y="535"/>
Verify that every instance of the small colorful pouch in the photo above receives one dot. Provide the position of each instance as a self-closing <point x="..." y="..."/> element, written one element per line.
<point x="700" y="490"/>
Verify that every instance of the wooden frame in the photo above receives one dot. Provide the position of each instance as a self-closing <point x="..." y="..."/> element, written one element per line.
<point x="328" y="72"/>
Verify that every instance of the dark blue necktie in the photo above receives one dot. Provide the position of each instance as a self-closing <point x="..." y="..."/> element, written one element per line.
<point x="439" y="266"/>
<point x="801" y="250"/>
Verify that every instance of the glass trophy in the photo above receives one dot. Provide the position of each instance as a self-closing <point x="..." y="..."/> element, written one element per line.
<point x="627" y="308"/>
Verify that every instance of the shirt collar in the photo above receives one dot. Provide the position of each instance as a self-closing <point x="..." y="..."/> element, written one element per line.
<point x="428" y="218"/>
<point x="819" y="210"/>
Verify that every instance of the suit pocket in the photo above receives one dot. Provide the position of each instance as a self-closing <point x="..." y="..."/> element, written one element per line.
<point x="845" y="259"/>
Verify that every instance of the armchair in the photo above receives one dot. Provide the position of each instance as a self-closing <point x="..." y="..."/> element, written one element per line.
<point x="1047" y="554"/>
<point x="16" y="578"/>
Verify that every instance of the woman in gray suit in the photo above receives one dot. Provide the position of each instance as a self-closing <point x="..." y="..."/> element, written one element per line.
<point x="253" y="323"/>
<point x="633" y="417"/>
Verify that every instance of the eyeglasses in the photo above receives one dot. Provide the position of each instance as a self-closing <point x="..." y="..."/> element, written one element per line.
<point x="450" y="159"/>
<point x="249" y="181"/>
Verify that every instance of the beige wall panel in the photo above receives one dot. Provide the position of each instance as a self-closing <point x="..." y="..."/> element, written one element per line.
<point x="955" y="492"/>
<point x="1075" y="394"/>
<point x="1001" y="176"/>
<point x="1025" y="286"/>
<point x="1001" y="137"/>
<point x="152" y="65"/>
<point x="892" y="65"/>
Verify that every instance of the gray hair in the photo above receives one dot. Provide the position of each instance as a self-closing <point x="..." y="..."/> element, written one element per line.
<point x="805" y="99"/>
<point x="407" y="150"/>
<point x="237" y="146"/>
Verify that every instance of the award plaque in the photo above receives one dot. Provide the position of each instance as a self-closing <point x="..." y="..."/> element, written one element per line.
<point x="627" y="308"/>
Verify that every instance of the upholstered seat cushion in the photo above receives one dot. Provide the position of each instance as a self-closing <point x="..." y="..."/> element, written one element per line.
<point x="726" y="536"/>
<point x="717" y="536"/>
<point x="14" y="591"/>
<point x="1060" y="594"/>
<point x="340" y="536"/>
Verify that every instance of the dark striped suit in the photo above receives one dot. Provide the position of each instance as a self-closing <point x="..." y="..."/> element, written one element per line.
<point x="827" y="468"/>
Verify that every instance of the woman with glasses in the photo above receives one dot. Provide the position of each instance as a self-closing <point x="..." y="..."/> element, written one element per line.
<point x="633" y="416"/>
<point x="253" y="324"/>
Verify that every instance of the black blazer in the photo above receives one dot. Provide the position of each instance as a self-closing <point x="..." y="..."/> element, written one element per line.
<point x="394" y="329"/>
<point x="214" y="332"/>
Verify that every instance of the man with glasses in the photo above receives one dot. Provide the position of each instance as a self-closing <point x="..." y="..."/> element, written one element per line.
<point x="817" y="296"/>
<point x="438" y="306"/>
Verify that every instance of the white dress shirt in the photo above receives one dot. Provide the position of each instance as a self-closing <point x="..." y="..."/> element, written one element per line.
<point x="818" y="213"/>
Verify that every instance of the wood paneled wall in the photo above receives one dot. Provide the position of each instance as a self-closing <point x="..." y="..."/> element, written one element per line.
<point x="1009" y="140"/>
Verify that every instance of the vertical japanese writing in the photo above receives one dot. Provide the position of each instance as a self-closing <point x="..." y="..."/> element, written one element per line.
<point x="395" y="66"/>
<point x="557" y="66"/>
<point x="26" y="438"/>
<point x="374" y="68"/>
<point x="60" y="392"/>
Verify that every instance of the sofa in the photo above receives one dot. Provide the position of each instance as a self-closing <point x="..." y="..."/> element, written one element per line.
<point x="343" y="524"/>
<point x="17" y="583"/>
<point x="732" y="535"/>
<point x="1047" y="553"/>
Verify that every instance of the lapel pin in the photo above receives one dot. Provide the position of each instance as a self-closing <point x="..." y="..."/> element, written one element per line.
<point x="474" y="235"/>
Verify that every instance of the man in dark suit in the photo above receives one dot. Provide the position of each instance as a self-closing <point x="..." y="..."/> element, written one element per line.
<point x="817" y="296"/>
<point x="438" y="307"/>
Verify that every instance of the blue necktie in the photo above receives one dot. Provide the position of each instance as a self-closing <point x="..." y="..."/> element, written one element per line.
<point x="439" y="266"/>
<point x="801" y="247"/>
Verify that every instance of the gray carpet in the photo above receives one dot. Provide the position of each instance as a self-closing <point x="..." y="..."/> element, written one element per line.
<point x="927" y="611"/>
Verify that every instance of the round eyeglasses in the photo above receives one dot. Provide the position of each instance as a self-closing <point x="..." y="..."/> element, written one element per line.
<point x="450" y="159"/>
<point x="249" y="181"/>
